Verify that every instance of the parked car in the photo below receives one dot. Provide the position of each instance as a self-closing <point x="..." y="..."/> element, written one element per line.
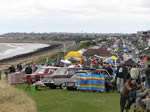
<point x="59" y="77"/>
<point x="40" y="72"/>
<point x="71" y="82"/>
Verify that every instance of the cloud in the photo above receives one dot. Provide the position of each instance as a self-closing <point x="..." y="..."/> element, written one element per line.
<point x="71" y="12"/>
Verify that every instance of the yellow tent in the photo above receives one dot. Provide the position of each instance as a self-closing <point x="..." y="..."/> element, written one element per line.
<point x="116" y="49"/>
<point x="113" y="57"/>
<point x="73" y="54"/>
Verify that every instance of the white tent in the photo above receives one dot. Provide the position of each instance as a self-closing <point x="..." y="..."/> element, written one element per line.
<point x="66" y="61"/>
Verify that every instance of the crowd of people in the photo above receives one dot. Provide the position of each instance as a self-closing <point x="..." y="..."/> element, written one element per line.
<point x="132" y="82"/>
<point x="133" y="85"/>
<point x="29" y="68"/>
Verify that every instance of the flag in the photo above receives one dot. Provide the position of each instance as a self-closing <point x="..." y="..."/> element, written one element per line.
<point x="47" y="60"/>
<point x="144" y="59"/>
<point x="58" y="58"/>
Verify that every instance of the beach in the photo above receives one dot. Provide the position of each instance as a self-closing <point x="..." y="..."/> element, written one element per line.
<point x="8" y="50"/>
<point x="29" y="56"/>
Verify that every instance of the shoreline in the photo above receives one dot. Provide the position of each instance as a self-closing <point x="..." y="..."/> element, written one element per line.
<point x="36" y="52"/>
<point x="31" y="56"/>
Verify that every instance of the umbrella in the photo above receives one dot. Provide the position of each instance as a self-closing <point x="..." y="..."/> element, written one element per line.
<point x="114" y="58"/>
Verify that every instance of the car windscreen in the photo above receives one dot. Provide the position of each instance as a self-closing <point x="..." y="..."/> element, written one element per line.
<point x="61" y="71"/>
<point x="40" y="71"/>
<point x="103" y="72"/>
<point x="52" y="70"/>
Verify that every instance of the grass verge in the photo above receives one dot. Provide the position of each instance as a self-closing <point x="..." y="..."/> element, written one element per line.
<point x="73" y="101"/>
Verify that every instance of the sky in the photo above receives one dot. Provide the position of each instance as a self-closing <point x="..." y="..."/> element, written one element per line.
<point x="92" y="16"/>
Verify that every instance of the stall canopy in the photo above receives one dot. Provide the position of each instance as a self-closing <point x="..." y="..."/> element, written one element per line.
<point x="130" y="62"/>
<point x="72" y="59"/>
<point x="73" y="54"/>
<point x="116" y="49"/>
<point x="114" y="58"/>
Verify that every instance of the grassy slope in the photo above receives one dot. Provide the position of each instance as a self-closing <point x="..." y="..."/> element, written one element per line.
<point x="73" y="101"/>
<point x="14" y="100"/>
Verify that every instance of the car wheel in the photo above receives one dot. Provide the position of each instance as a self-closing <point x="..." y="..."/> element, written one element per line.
<point x="63" y="86"/>
<point x="52" y="86"/>
<point x="71" y="88"/>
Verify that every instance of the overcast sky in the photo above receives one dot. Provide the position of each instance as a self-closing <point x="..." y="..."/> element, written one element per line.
<point x="101" y="16"/>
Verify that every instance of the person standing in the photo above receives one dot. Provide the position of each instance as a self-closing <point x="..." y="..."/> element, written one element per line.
<point x="19" y="67"/>
<point x="12" y="69"/>
<point x="135" y="73"/>
<point x="147" y="78"/>
<point x="121" y="76"/>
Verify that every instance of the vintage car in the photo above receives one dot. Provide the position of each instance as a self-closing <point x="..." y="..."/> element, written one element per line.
<point x="42" y="71"/>
<point x="58" y="78"/>
<point x="71" y="82"/>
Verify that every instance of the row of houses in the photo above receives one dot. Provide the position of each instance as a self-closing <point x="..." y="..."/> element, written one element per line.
<point x="144" y="38"/>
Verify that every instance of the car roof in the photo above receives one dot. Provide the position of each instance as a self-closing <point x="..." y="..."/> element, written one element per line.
<point x="50" y="67"/>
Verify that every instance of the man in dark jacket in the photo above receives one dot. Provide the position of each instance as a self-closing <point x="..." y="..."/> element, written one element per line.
<point x="121" y="76"/>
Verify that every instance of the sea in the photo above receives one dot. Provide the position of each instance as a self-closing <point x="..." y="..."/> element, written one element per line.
<point x="12" y="49"/>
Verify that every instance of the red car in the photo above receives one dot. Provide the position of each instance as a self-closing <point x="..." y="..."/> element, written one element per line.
<point x="41" y="72"/>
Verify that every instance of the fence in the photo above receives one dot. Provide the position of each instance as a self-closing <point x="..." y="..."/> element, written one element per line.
<point x="90" y="82"/>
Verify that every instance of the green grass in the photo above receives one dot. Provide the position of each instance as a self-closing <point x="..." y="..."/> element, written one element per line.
<point x="73" y="101"/>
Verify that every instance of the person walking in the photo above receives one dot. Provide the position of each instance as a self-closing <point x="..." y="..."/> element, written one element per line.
<point x="121" y="76"/>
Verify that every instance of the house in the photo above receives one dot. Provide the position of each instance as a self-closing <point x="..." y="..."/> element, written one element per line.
<point x="102" y="52"/>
